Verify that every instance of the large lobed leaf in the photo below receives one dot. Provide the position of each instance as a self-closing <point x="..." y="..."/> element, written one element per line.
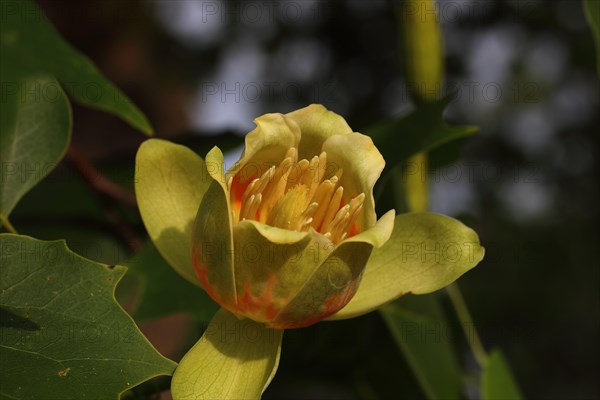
<point x="35" y="131"/>
<point x="62" y="334"/>
<point x="30" y="45"/>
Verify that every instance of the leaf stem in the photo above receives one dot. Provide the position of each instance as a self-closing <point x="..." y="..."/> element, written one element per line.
<point x="467" y="324"/>
<point x="7" y="225"/>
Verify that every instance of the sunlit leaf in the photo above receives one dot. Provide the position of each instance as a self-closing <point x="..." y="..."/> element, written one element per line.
<point x="423" y="335"/>
<point x="29" y="44"/>
<point x="62" y="333"/>
<point x="498" y="382"/>
<point x="425" y="253"/>
<point x="169" y="185"/>
<point x="34" y="134"/>
<point x="234" y="359"/>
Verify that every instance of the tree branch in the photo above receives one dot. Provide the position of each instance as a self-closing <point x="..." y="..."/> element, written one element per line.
<point x="97" y="181"/>
<point x="108" y="192"/>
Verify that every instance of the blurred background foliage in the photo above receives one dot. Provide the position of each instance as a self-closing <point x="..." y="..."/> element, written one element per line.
<point x="524" y="71"/>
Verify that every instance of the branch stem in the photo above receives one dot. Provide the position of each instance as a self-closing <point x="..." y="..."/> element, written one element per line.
<point x="467" y="324"/>
<point x="97" y="181"/>
<point x="108" y="192"/>
<point x="7" y="225"/>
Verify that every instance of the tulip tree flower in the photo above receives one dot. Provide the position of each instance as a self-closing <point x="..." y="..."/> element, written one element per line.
<point x="285" y="238"/>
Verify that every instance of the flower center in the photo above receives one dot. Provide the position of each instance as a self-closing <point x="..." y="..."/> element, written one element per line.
<point x="294" y="195"/>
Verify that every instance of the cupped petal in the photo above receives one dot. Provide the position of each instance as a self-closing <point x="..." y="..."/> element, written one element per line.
<point x="425" y="253"/>
<point x="379" y="234"/>
<point x="212" y="241"/>
<point x="169" y="185"/>
<point x="266" y="145"/>
<point x="234" y="359"/>
<point x="335" y="281"/>
<point x="316" y="124"/>
<point x="290" y="279"/>
<point x="362" y="164"/>
<point x="274" y="234"/>
<point x="272" y="265"/>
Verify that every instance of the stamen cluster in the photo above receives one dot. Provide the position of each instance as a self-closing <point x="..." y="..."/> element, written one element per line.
<point x="294" y="195"/>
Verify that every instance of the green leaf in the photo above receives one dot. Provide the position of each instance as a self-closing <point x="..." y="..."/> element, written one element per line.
<point x="164" y="292"/>
<point x="497" y="381"/>
<point x="85" y="239"/>
<point x="169" y="185"/>
<point x="425" y="253"/>
<point x="234" y="359"/>
<point x="29" y="44"/>
<point x="420" y="131"/>
<point x="592" y="13"/>
<point x="423" y="335"/>
<point x="63" y="335"/>
<point x="34" y="135"/>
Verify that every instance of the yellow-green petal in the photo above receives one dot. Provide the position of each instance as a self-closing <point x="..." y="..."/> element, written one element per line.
<point x="267" y="144"/>
<point x="290" y="279"/>
<point x="169" y="186"/>
<point x="212" y="242"/>
<point x="425" y="253"/>
<point x="316" y="124"/>
<point x="379" y="234"/>
<point x="362" y="163"/>
<point x="272" y="266"/>
<point x="234" y="359"/>
<point x="274" y="234"/>
<point x="335" y="281"/>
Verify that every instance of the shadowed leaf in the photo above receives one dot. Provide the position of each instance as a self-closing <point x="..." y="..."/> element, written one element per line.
<point x="30" y="45"/>
<point x="35" y="131"/>
<point x="592" y="13"/>
<point x="422" y="333"/>
<point x="421" y="130"/>
<point x="498" y="382"/>
<point x="85" y="345"/>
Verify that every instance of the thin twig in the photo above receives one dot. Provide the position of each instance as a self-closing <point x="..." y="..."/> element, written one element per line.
<point x="108" y="192"/>
<point x="98" y="181"/>
<point x="7" y="225"/>
<point x="464" y="316"/>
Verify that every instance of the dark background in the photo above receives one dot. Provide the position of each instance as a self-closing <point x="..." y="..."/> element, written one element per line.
<point x="524" y="71"/>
